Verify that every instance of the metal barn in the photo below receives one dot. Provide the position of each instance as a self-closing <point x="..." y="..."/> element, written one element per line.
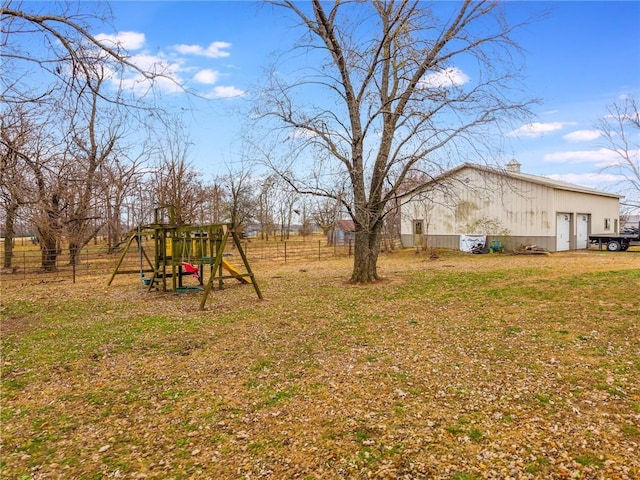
<point x="509" y="206"/>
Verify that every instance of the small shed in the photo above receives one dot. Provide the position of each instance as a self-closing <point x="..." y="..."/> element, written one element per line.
<point x="507" y="205"/>
<point x="343" y="233"/>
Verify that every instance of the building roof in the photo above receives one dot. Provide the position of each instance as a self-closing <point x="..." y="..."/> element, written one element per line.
<point x="548" y="182"/>
<point x="346" y="225"/>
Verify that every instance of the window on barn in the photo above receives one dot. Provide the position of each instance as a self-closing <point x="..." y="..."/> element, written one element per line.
<point x="607" y="224"/>
<point x="417" y="227"/>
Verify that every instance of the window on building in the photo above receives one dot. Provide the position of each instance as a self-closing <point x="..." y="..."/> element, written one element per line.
<point x="607" y="224"/>
<point x="417" y="227"/>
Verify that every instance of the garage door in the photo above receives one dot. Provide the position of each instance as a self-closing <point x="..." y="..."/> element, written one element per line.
<point x="582" y="227"/>
<point x="563" y="232"/>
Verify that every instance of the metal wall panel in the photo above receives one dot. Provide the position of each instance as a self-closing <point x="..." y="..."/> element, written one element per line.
<point x="473" y="201"/>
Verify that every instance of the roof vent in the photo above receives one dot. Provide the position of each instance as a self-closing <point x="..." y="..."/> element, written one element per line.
<point x="513" y="166"/>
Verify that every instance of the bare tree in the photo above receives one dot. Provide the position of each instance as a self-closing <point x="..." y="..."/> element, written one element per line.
<point x="48" y="212"/>
<point x="387" y="98"/>
<point x="16" y="132"/>
<point x="325" y="213"/>
<point x="30" y="160"/>
<point x="306" y="219"/>
<point x="121" y="187"/>
<point x="69" y="49"/>
<point x="93" y="134"/>
<point x="239" y="198"/>
<point x="285" y="200"/>
<point x="209" y="208"/>
<point x="266" y="206"/>
<point x="175" y="181"/>
<point x="391" y="226"/>
<point x="620" y="129"/>
<point x="50" y="57"/>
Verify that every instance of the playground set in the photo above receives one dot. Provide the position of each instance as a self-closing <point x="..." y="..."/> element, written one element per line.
<point x="185" y="250"/>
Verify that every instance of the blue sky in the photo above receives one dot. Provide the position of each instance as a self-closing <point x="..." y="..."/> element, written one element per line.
<point x="580" y="59"/>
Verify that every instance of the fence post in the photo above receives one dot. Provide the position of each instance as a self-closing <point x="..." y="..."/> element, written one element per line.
<point x="285" y="251"/>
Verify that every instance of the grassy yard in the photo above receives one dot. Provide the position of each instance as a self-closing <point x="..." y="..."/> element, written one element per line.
<point x="461" y="367"/>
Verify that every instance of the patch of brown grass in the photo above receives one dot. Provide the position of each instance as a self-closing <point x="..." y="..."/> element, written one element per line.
<point x="489" y="366"/>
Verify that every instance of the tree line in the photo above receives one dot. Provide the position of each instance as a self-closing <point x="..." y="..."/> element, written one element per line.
<point x="82" y="159"/>
<point x="84" y="152"/>
<point x="65" y="190"/>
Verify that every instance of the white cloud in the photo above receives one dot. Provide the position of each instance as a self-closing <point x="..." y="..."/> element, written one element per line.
<point x="536" y="129"/>
<point x="214" y="50"/>
<point x="157" y="64"/>
<point x="172" y="69"/>
<point x="169" y="72"/>
<point x="206" y="76"/>
<point x="141" y="85"/>
<point x="588" y="179"/>
<point x="302" y="133"/>
<point x="601" y="157"/>
<point x="126" y="40"/>
<point x="225" y="92"/>
<point x="188" y="49"/>
<point x="449" y="77"/>
<point x="168" y="79"/>
<point x="582" y="135"/>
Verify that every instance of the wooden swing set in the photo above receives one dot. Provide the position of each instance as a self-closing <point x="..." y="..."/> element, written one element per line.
<point x="185" y="250"/>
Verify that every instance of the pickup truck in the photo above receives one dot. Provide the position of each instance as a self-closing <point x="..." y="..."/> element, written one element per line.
<point x="618" y="243"/>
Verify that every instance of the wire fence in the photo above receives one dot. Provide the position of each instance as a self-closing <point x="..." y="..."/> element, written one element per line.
<point x="95" y="260"/>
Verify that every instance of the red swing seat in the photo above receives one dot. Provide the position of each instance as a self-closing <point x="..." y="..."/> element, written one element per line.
<point x="189" y="268"/>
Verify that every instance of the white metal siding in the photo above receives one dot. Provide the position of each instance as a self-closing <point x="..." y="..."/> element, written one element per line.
<point x="598" y="207"/>
<point x="473" y="199"/>
<point x="469" y="200"/>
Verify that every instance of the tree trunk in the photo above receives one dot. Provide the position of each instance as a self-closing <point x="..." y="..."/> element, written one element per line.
<point x="74" y="253"/>
<point x="48" y="233"/>
<point x="9" y="235"/>
<point x="8" y="249"/>
<point x="325" y="233"/>
<point x="49" y="247"/>
<point x="111" y="235"/>
<point x="365" y="260"/>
